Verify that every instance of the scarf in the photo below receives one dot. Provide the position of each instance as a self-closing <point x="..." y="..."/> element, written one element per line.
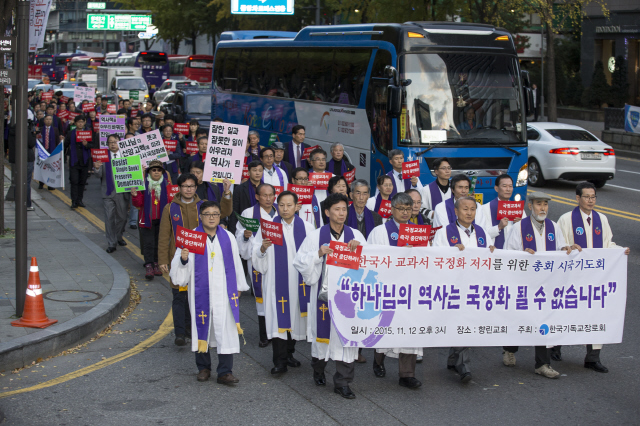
<point x="155" y="185"/>
<point x="316" y="211"/>
<point x="453" y="235"/>
<point x="392" y="232"/>
<point x="493" y="206"/>
<point x="175" y="211"/>
<point x="436" y="194"/>
<point x="528" y="238"/>
<point x="161" y="197"/>
<point x="256" y="277"/>
<point x="352" y="220"/>
<point x="278" y="172"/>
<point x="579" y="234"/>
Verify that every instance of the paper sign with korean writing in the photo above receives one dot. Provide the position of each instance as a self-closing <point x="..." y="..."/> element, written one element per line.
<point x="172" y="190"/>
<point x="64" y="99"/>
<point x="194" y="241"/>
<point x="63" y="114"/>
<point x="385" y="209"/>
<point x="96" y="126"/>
<point x="127" y="173"/>
<point x="510" y="209"/>
<point x="307" y="151"/>
<point x="278" y="190"/>
<point x="248" y="223"/>
<point x="192" y="147"/>
<point x="46" y="96"/>
<point x="73" y="115"/>
<point x="245" y="172"/>
<point x="304" y="193"/>
<point x="181" y="128"/>
<point x="170" y="144"/>
<point x="271" y="231"/>
<point x="432" y="234"/>
<point x="84" y="135"/>
<point x="343" y="257"/>
<point x="148" y="146"/>
<point x="225" y="152"/>
<point x="88" y="107"/>
<point x="320" y="180"/>
<point x="101" y="155"/>
<point x="110" y="125"/>
<point x="410" y="169"/>
<point x="414" y="235"/>
<point x="81" y="93"/>
<point x="112" y="109"/>
<point x="350" y="176"/>
<point x="417" y="297"/>
<point x="133" y="113"/>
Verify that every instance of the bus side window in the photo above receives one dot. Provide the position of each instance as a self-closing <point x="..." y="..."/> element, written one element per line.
<point x="376" y="104"/>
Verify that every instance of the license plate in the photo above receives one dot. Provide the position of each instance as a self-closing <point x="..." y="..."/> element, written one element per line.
<point x="590" y="156"/>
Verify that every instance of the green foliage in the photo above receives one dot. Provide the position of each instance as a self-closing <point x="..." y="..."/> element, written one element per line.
<point x="600" y="91"/>
<point x="619" y="83"/>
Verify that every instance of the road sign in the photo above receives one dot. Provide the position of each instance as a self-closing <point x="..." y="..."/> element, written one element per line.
<point x="96" y="5"/>
<point x="7" y="44"/>
<point x="8" y="77"/>
<point x="118" y="22"/>
<point x="262" y="7"/>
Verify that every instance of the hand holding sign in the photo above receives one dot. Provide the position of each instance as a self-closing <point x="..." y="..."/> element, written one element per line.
<point x="194" y="241"/>
<point x="272" y="231"/>
<point x="410" y="169"/>
<point x="414" y="235"/>
<point x="343" y="257"/>
<point x="510" y="209"/>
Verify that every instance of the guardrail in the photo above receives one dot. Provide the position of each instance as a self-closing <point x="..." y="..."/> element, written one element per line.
<point x="613" y="118"/>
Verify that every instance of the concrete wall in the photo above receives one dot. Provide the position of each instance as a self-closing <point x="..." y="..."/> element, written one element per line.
<point x="619" y="139"/>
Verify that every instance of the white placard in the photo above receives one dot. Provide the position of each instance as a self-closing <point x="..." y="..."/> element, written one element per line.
<point x="148" y="146"/>
<point x="81" y="93"/>
<point x="225" y="152"/>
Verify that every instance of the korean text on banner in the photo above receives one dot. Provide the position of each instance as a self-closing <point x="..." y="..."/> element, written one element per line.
<point x="410" y="169"/>
<point x="148" y="146"/>
<point x="272" y="231"/>
<point x="307" y="151"/>
<point x="444" y="297"/>
<point x="81" y="93"/>
<point x="304" y="193"/>
<point x="350" y="176"/>
<point x="320" y="180"/>
<point x="194" y="241"/>
<point x="100" y="155"/>
<point x="49" y="169"/>
<point x="414" y="235"/>
<point x="343" y="257"/>
<point x="510" y="209"/>
<point x="111" y="124"/>
<point x="181" y="128"/>
<point x="172" y="190"/>
<point x="249" y="224"/>
<point x="225" y="152"/>
<point x="127" y="173"/>
<point x="38" y="17"/>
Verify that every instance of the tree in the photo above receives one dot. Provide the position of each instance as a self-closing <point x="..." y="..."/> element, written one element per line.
<point x="619" y="83"/>
<point x="600" y="91"/>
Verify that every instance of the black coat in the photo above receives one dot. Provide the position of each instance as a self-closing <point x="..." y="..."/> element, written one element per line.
<point x="287" y="167"/>
<point x="241" y="202"/>
<point x="290" y="156"/>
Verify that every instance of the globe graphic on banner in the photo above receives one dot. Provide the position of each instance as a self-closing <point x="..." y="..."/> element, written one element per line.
<point x="347" y="309"/>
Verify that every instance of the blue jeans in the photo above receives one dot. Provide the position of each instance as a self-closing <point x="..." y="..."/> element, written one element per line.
<point x="133" y="214"/>
<point x="30" y="166"/>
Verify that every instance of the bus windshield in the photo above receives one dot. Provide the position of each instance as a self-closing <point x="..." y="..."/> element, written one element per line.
<point x="460" y="98"/>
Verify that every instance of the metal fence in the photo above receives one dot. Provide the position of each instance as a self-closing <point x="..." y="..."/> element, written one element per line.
<point x="613" y="118"/>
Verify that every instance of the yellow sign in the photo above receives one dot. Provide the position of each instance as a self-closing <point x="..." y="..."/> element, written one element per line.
<point x="479" y="197"/>
<point x="403" y="124"/>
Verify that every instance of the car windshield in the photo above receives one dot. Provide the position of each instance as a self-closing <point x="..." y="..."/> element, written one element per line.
<point x="572" y="135"/>
<point x="131" y="84"/>
<point x="199" y="104"/>
<point x="460" y="99"/>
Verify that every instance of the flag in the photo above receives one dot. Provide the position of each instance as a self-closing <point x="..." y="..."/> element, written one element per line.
<point x="49" y="169"/>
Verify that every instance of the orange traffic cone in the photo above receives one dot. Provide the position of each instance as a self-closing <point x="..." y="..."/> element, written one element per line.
<point x="34" y="315"/>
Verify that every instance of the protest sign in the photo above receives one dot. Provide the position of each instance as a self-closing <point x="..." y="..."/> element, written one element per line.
<point x="172" y="190"/>
<point x="410" y="169"/>
<point x="46" y="96"/>
<point x="432" y="234"/>
<point x="192" y="147"/>
<point x="478" y="298"/>
<point x="111" y="109"/>
<point x="272" y="231"/>
<point x="88" y="107"/>
<point x="250" y="224"/>
<point x="194" y="241"/>
<point x="304" y="193"/>
<point x="96" y="126"/>
<point x="414" y="235"/>
<point x="170" y="144"/>
<point x="81" y="93"/>
<point x="101" y="155"/>
<point x="127" y="173"/>
<point x="350" y="176"/>
<point x="343" y="257"/>
<point x="278" y="189"/>
<point x="320" y="180"/>
<point x="148" y="146"/>
<point x="49" y="169"/>
<point x="307" y="151"/>
<point x="64" y="99"/>
<point x="181" y="128"/>
<point x="225" y="152"/>
<point x="83" y="135"/>
<point x="73" y="115"/>
<point x="385" y="209"/>
<point x="111" y="124"/>
<point x="245" y="172"/>
<point x="63" y="114"/>
<point x="510" y="209"/>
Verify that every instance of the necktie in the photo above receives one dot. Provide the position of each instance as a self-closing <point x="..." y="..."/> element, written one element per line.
<point x="270" y="172"/>
<point x="589" y="220"/>
<point x="298" y="158"/>
<point x="46" y="139"/>
<point x="466" y="231"/>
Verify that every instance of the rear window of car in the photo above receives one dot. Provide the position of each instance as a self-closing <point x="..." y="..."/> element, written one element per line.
<point x="572" y="135"/>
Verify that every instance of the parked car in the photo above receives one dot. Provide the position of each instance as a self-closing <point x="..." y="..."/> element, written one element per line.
<point x="186" y="105"/>
<point x="564" y="151"/>
<point x="172" y="85"/>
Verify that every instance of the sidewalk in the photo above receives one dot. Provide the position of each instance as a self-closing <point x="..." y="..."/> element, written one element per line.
<point x="83" y="287"/>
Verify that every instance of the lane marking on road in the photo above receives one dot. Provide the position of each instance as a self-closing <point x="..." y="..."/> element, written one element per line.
<point x="629" y="159"/>
<point x="629" y="171"/>
<point x="606" y="210"/>
<point x="165" y="328"/>
<point x="624" y="187"/>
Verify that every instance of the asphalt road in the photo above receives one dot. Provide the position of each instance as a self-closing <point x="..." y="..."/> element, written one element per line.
<point x="156" y="383"/>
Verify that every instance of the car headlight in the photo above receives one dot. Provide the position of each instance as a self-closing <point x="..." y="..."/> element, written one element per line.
<point x="517" y="197"/>
<point x="523" y="175"/>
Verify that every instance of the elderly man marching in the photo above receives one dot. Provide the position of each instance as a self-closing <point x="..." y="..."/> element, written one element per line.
<point x="589" y="229"/>
<point x="532" y="234"/>
<point x="387" y="235"/>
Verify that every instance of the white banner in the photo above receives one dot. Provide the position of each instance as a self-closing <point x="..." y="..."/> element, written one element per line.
<point x="148" y="146"/>
<point x="80" y="93"/>
<point x="49" y="169"/>
<point x="38" y="17"/>
<point x="442" y="297"/>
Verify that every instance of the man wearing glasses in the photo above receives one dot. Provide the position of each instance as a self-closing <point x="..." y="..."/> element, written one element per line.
<point x="589" y="229"/>
<point x="387" y="235"/>
<point x="438" y="190"/>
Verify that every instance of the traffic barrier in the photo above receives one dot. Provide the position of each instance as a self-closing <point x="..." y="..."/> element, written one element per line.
<point x="33" y="314"/>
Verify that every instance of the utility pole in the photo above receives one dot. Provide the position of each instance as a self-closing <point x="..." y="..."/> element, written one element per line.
<point x="542" y="67"/>
<point x="317" y="12"/>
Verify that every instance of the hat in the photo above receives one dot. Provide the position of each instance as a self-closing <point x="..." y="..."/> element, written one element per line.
<point x="277" y="145"/>
<point x="155" y="164"/>
<point x="537" y="195"/>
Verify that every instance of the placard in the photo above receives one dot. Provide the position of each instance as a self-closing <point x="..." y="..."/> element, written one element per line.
<point x="96" y="126"/>
<point x="73" y="115"/>
<point x="414" y="235"/>
<point x="127" y="173"/>
<point x="410" y="169"/>
<point x="245" y="172"/>
<point x="278" y="189"/>
<point x="271" y="231"/>
<point x="192" y="147"/>
<point x="194" y="241"/>
<point x="510" y="209"/>
<point x="81" y="93"/>
<point x="133" y="113"/>
<point x="64" y="99"/>
<point x="111" y="109"/>
<point x="170" y="144"/>
<point x="181" y="128"/>
<point x="225" y="152"/>
<point x="434" y="230"/>
<point x="307" y="151"/>
<point x="385" y="209"/>
<point x="248" y="223"/>
<point x="111" y="124"/>
<point x="101" y="155"/>
<point x="172" y="190"/>
<point x="63" y="114"/>
<point x="320" y="180"/>
<point x="304" y="193"/>
<point x="46" y="96"/>
<point x="343" y="257"/>
<point x="88" y="107"/>
<point x="83" y="135"/>
<point x="350" y="176"/>
<point x="148" y="146"/>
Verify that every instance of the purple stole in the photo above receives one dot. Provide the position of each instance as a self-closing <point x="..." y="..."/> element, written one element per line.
<point x="148" y="197"/>
<point x="343" y="167"/>
<point x="499" y="241"/>
<point x="323" y="317"/>
<point x="256" y="277"/>
<point x="210" y="194"/>
<point x="252" y="195"/>
<point x="282" y="277"/>
<point x="73" y="151"/>
<point x="379" y="200"/>
<point x="451" y="211"/>
<point x="109" y="176"/>
<point x="407" y="183"/>
<point x="528" y="236"/>
<point x="436" y="194"/>
<point x="579" y="234"/>
<point x="201" y="288"/>
<point x="453" y="235"/>
<point x="392" y="232"/>
<point x="278" y="172"/>
<point x="352" y="220"/>
<point x="315" y="206"/>
<point x="175" y="212"/>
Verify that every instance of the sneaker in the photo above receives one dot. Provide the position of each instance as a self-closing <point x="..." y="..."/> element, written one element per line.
<point x="148" y="273"/>
<point x="156" y="270"/>
<point x="31" y="209"/>
<point x="547" y="371"/>
<point x="509" y="359"/>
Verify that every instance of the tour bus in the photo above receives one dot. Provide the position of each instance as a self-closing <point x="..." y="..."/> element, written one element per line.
<point x="191" y="67"/>
<point x="430" y="89"/>
<point x="83" y="63"/>
<point x="155" y="66"/>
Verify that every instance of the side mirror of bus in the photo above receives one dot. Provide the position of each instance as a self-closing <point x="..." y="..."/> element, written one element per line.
<point x="394" y="101"/>
<point x="528" y="101"/>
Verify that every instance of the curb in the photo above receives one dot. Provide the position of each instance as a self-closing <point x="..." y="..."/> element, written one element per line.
<point x="51" y="341"/>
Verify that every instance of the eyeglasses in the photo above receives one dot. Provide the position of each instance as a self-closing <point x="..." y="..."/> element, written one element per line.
<point x="210" y="215"/>
<point x="406" y="210"/>
<point x="187" y="186"/>
<point x="444" y="169"/>
<point x="589" y="197"/>
<point x="301" y="179"/>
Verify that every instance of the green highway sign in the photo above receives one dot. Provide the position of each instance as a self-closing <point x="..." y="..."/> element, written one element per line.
<point x="118" y="22"/>
<point x="96" y="5"/>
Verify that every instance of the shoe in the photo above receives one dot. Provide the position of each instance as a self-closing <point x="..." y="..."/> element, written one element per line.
<point x="418" y="359"/>
<point x="50" y="188"/>
<point x="509" y="359"/>
<point x="156" y="270"/>
<point x="279" y="370"/>
<point x="292" y="362"/>
<point x="122" y="243"/>
<point x="556" y="355"/>
<point x="203" y="375"/>
<point x="596" y="366"/>
<point x="31" y="209"/>
<point x="148" y="272"/>
<point x="379" y="370"/>
<point x="451" y="367"/>
<point x="465" y="378"/>
<point x="410" y="382"/>
<point x="264" y="343"/>
<point x="41" y="185"/>
<point x="133" y="226"/>
<point x="74" y="206"/>
<point x="227" y="379"/>
<point x="81" y="204"/>
<point x="319" y="379"/>
<point x="180" y="340"/>
<point x="345" y="392"/>
<point x="547" y="371"/>
<point x="361" y="359"/>
<point x="111" y="249"/>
